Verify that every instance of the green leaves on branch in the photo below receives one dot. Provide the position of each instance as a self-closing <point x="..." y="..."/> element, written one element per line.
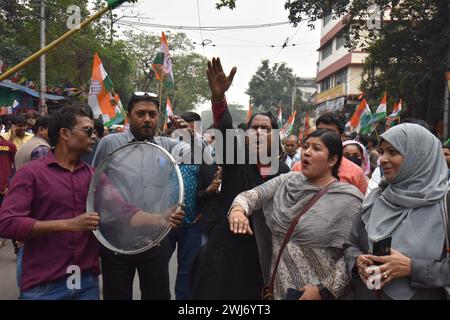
<point x="115" y="3"/>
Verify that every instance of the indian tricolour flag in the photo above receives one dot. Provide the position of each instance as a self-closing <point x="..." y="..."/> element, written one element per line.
<point x="361" y="119"/>
<point x="169" y="112"/>
<point x="287" y="128"/>
<point x="102" y="98"/>
<point x="291" y="123"/>
<point x="394" y="117"/>
<point x="280" y="117"/>
<point x="397" y="109"/>
<point x="162" y="65"/>
<point x="381" y="110"/>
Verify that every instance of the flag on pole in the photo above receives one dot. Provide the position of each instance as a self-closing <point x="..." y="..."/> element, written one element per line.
<point x="394" y="117"/>
<point x="102" y="98"/>
<point x="249" y="112"/>
<point x="305" y="132"/>
<point x="300" y="135"/>
<point x="287" y="128"/>
<point x="381" y="110"/>
<point x="397" y="109"/>
<point x="169" y="112"/>
<point x="291" y="123"/>
<point x="361" y="119"/>
<point x="162" y="65"/>
<point x="280" y="117"/>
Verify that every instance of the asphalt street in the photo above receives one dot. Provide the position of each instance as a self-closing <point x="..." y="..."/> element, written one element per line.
<point x="8" y="284"/>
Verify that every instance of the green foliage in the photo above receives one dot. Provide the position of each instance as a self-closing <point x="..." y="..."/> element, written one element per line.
<point x="271" y="86"/>
<point x="411" y="53"/>
<point x="226" y="3"/>
<point x="408" y="55"/>
<point x="126" y="59"/>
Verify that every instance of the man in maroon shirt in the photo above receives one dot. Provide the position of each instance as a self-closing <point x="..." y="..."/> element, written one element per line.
<point x="45" y="207"/>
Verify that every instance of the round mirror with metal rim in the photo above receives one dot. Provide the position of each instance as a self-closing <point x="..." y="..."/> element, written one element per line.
<point x="134" y="190"/>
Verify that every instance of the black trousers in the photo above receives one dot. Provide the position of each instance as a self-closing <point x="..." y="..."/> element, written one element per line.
<point x="118" y="273"/>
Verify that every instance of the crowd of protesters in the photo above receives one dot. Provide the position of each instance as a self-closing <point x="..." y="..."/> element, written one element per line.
<point x="313" y="225"/>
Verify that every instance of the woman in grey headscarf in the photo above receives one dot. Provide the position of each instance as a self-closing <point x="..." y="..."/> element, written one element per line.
<point x="313" y="260"/>
<point x="408" y="206"/>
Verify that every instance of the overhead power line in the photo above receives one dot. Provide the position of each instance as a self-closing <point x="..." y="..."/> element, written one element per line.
<point x="202" y="28"/>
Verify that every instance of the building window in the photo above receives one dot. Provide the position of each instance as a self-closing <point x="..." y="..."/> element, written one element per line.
<point x="326" y="17"/>
<point x="325" y="84"/>
<point x="327" y="50"/>
<point x="340" y="40"/>
<point x="341" y="77"/>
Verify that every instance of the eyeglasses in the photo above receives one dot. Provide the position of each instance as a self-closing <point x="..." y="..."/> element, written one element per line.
<point x="143" y="94"/>
<point x="88" y="131"/>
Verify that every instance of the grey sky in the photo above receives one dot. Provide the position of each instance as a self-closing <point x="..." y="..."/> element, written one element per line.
<point x="243" y="48"/>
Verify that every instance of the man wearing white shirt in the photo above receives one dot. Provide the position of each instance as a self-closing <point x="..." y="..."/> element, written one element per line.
<point x="292" y="155"/>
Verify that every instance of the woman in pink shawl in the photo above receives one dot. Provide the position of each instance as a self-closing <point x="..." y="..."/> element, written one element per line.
<point x="356" y="153"/>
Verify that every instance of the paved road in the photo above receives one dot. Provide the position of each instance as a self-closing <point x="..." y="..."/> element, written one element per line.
<point x="10" y="291"/>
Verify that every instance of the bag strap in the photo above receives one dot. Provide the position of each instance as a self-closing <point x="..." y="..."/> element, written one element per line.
<point x="288" y="236"/>
<point x="445" y="219"/>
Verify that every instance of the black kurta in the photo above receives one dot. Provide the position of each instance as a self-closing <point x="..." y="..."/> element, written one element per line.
<point x="228" y="266"/>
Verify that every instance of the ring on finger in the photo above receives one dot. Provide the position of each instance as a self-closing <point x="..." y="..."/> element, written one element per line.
<point x="385" y="275"/>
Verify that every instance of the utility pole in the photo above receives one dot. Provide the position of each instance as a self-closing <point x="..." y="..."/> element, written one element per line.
<point x="43" y="86"/>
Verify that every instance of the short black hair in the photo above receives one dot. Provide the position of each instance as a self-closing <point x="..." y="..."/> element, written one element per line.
<point x="190" y="116"/>
<point x="41" y="122"/>
<point x="364" y="139"/>
<point x="329" y="118"/>
<point x="147" y="98"/>
<point x="273" y="120"/>
<point x="19" y="119"/>
<point x="66" y="117"/>
<point x="99" y="127"/>
<point x="334" y="145"/>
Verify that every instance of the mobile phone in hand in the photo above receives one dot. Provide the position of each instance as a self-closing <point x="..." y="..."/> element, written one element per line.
<point x="382" y="247"/>
<point x="293" y="294"/>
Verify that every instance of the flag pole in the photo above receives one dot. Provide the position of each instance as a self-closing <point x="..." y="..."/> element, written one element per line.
<point x="53" y="44"/>
<point x="376" y="133"/>
<point x="160" y="91"/>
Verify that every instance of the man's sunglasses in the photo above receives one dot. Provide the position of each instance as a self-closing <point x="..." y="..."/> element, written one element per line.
<point x="144" y="94"/>
<point x="88" y="131"/>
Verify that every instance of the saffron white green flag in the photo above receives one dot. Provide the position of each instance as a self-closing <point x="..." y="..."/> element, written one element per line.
<point x="381" y="110"/>
<point x="361" y="119"/>
<point x="102" y="98"/>
<point x="162" y="65"/>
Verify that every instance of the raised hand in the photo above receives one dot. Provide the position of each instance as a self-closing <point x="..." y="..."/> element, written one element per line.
<point x="218" y="81"/>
